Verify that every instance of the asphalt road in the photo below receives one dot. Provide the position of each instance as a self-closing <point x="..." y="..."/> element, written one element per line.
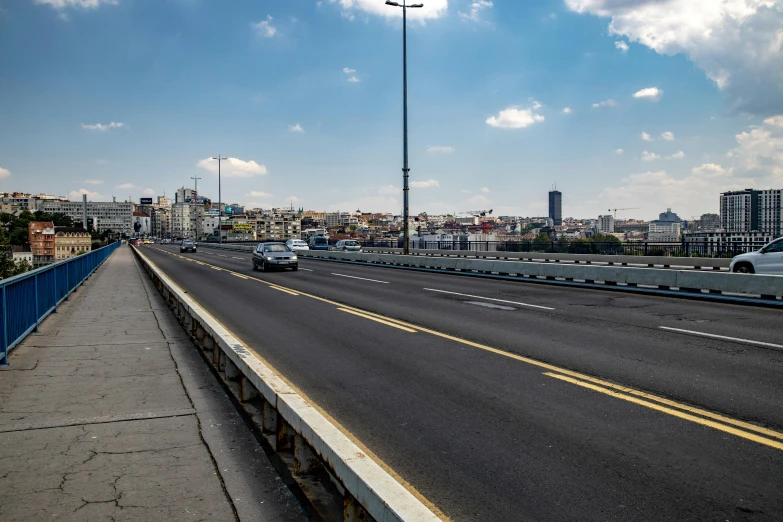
<point x="514" y="401"/>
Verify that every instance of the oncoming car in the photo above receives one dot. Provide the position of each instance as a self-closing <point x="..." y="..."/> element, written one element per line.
<point x="767" y="260"/>
<point x="274" y="255"/>
<point x="187" y="245"/>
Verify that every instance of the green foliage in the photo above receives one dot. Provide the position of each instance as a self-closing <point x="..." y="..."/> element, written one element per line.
<point x="9" y="267"/>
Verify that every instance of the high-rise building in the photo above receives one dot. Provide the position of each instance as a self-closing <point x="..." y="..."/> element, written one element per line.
<point x="41" y="237"/>
<point x="709" y="222"/>
<point x="669" y="216"/>
<point x="752" y="211"/>
<point x="606" y="224"/>
<point x="556" y="207"/>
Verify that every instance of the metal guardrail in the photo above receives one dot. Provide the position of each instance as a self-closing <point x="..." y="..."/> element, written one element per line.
<point x="611" y="260"/>
<point x="26" y="299"/>
<point x="763" y="289"/>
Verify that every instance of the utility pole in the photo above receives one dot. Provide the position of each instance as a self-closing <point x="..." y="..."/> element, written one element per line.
<point x="220" y="203"/>
<point x="195" y="188"/>
<point x="405" y="169"/>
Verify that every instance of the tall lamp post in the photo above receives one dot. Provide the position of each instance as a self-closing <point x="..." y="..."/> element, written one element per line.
<point x="195" y="179"/>
<point x="220" y="203"/>
<point x="405" y="169"/>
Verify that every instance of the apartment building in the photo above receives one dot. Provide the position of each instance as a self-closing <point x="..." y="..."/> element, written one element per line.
<point x="752" y="211"/>
<point x="606" y="224"/>
<point x="70" y="242"/>
<point x="42" y="242"/>
<point x="278" y="225"/>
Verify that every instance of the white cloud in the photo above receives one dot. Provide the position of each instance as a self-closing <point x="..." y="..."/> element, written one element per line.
<point x="516" y="118"/>
<point x="645" y="137"/>
<point x="76" y="195"/>
<point x="4" y="173"/>
<point x="425" y="184"/>
<point x="465" y="191"/>
<point x="621" y="45"/>
<point x="258" y="194"/>
<point x="567" y="110"/>
<point x="93" y="181"/>
<point x="474" y="15"/>
<point x="619" y="151"/>
<point x="432" y="9"/>
<point x="103" y="127"/>
<point x="233" y="167"/>
<point x="485" y="190"/>
<point x="668" y="135"/>
<point x="776" y="121"/>
<point x="649" y="93"/>
<point x="389" y="190"/>
<point x="440" y="149"/>
<point x="295" y="128"/>
<point x="148" y="192"/>
<point x="760" y="150"/>
<point x="606" y="103"/>
<point x="265" y="27"/>
<point x="83" y="4"/>
<point x="650" y="156"/>
<point x="478" y="200"/>
<point x="737" y="43"/>
<point x="676" y="155"/>
<point x="348" y="70"/>
<point x="125" y="186"/>
<point x="353" y="79"/>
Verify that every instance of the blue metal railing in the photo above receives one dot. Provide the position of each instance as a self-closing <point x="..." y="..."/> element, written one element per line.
<point x="26" y="299"/>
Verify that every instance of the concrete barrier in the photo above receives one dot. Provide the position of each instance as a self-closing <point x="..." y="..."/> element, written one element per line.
<point x="318" y="455"/>
<point x="763" y="287"/>
<point x="622" y="260"/>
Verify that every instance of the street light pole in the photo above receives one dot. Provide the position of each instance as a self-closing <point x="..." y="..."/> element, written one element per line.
<point x="405" y="168"/>
<point x="195" y="179"/>
<point x="220" y="203"/>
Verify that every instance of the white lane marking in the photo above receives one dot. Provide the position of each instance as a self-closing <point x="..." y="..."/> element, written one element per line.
<point x="491" y="299"/>
<point x="306" y="269"/>
<point x="232" y="257"/>
<point x="362" y="278"/>
<point x="490" y="305"/>
<point x="221" y="255"/>
<point x="210" y="253"/>
<point x="723" y="337"/>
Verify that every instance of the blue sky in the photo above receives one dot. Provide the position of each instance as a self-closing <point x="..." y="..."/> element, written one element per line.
<point x="668" y="104"/>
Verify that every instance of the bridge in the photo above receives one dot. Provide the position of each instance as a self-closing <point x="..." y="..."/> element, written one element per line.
<point x="378" y="386"/>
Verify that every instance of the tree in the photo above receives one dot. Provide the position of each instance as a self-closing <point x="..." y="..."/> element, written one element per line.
<point x="542" y="243"/>
<point x="9" y="267"/>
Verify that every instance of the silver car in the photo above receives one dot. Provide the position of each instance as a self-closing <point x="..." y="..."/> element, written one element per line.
<point x="274" y="255"/>
<point x="348" y="245"/>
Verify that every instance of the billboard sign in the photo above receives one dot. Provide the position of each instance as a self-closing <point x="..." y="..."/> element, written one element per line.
<point x="145" y="201"/>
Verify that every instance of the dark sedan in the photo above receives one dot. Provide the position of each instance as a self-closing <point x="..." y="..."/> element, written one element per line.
<point x="274" y="255"/>
<point x="187" y="246"/>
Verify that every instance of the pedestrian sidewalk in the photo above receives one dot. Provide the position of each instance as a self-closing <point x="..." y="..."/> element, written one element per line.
<point x="109" y="413"/>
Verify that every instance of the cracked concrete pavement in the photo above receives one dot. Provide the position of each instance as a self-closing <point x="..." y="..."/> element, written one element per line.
<point x="109" y="413"/>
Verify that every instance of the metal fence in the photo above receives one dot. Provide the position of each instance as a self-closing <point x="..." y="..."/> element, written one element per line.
<point x="26" y="299"/>
<point x="628" y="248"/>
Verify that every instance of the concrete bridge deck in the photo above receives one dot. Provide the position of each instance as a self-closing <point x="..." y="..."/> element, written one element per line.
<point x="108" y="413"/>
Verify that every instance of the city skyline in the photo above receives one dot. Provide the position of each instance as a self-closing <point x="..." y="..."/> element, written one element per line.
<point x="304" y="99"/>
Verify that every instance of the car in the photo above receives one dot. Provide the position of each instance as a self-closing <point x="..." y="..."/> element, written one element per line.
<point x="274" y="255"/>
<point x="188" y="245"/>
<point x="348" y="245"/>
<point x="296" y="244"/>
<point x="767" y="260"/>
<point x="318" y="243"/>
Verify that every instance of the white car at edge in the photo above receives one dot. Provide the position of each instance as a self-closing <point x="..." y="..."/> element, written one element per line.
<point x="767" y="260"/>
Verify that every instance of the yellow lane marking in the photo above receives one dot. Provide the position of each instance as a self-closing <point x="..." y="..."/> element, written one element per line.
<point x="287" y="291"/>
<point x="239" y="276"/>
<point x="698" y="420"/>
<point x="404" y="483"/>
<point x="547" y="366"/>
<point x="217" y="268"/>
<point x="371" y="318"/>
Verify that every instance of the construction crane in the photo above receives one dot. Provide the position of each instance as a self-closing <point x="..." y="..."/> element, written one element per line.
<point x="479" y="213"/>
<point x="616" y="209"/>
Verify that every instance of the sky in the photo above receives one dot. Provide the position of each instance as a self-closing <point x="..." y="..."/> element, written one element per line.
<point x="631" y="104"/>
